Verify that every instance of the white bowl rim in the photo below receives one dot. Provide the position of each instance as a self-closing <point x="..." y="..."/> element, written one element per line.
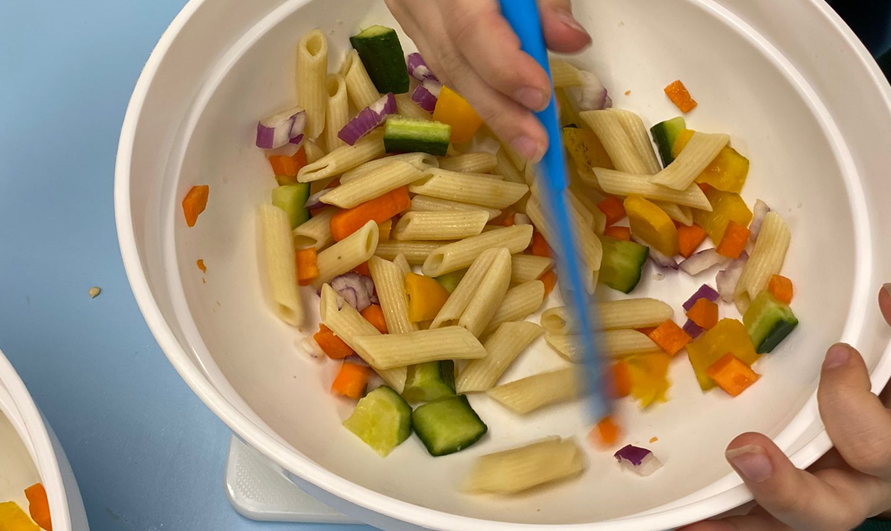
<point x="318" y="475"/>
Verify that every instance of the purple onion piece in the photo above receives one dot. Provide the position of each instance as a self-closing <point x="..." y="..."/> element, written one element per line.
<point x="355" y="289"/>
<point x="761" y="209"/>
<point x="297" y="140"/>
<point x="368" y="119"/>
<point x="639" y="460"/>
<point x="704" y="292"/>
<point x="702" y="261"/>
<point x="424" y="97"/>
<point x="727" y="279"/>
<point x="665" y="262"/>
<point x="315" y="200"/>
<point x="591" y="95"/>
<point x="418" y="69"/>
<point x="693" y="330"/>
<point x="278" y="129"/>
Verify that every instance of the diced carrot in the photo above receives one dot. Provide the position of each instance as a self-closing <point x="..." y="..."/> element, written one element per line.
<point x="286" y="168"/>
<point x="621" y="379"/>
<point x="550" y="280"/>
<point x="351" y="380"/>
<point x="333" y="346"/>
<point x="680" y="96"/>
<point x="670" y="337"/>
<point x="619" y="233"/>
<point x="383" y="230"/>
<point x="732" y="375"/>
<point x="362" y="269"/>
<point x="194" y="203"/>
<point x="734" y="241"/>
<point x="690" y="238"/>
<point x="781" y="288"/>
<point x="307" y="267"/>
<point x="374" y="314"/>
<point x="605" y="434"/>
<point x="509" y="220"/>
<point x="38" y="506"/>
<point x="540" y="246"/>
<point x="379" y="209"/>
<point x="646" y="331"/>
<point x="201" y="266"/>
<point x="704" y="313"/>
<point x="613" y="209"/>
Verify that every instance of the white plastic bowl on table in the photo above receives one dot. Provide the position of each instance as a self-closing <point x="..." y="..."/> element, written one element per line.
<point x="30" y="452"/>
<point x="788" y="80"/>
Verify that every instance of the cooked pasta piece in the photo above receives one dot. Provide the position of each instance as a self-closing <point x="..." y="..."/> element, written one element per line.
<point x="458" y="301"/>
<point x="502" y="348"/>
<point x="505" y="167"/>
<point x="313" y="151"/>
<point x="534" y="392"/>
<point x="564" y="74"/>
<point x="338" y="113"/>
<point x="344" y="158"/>
<point x="461" y="254"/>
<point x="619" y="145"/>
<point x="520" y="469"/>
<point x="376" y="183"/>
<point x="619" y="183"/>
<point x="470" y="163"/>
<point x="389" y="284"/>
<point x="680" y="213"/>
<point x="489" y="296"/>
<point x="696" y="156"/>
<point x="421" y="161"/>
<point x="414" y="252"/>
<point x="471" y="189"/>
<point x="519" y="162"/>
<point x="312" y="71"/>
<point x="422" y="203"/>
<point x="766" y="260"/>
<point x="519" y="303"/>
<point x="527" y="267"/>
<point x="316" y="231"/>
<point x="388" y="351"/>
<point x="347" y="254"/>
<point x="410" y="109"/>
<point x="360" y="88"/>
<point x="280" y="268"/>
<point x="640" y="137"/>
<point x="628" y="313"/>
<point x="589" y="245"/>
<point x="595" y="218"/>
<point x="454" y="225"/>
<point x="403" y="264"/>
<point x="616" y="343"/>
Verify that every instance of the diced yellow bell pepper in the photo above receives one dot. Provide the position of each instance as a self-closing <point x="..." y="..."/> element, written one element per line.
<point x="452" y="109"/>
<point x="727" y="172"/>
<point x="651" y="224"/>
<point x="426" y="297"/>
<point x="13" y="518"/>
<point x="586" y="149"/>
<point x="729" y="335"/>
<point x="649" y="377"/>
<point x="725" y="207"/>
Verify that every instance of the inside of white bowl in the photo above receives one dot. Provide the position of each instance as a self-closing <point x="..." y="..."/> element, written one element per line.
<point x="198" y="126"/>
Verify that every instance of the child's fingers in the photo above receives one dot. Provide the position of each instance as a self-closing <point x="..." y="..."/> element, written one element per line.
<point x="758" y="521"/>
<point x="855" y="418"/>
<point x="562" y="31"/>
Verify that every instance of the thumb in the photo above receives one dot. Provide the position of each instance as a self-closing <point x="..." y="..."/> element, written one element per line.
<point x="563" y="33"/>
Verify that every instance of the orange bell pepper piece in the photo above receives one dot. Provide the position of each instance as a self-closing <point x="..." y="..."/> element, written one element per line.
<point x="38" y="506"/>
<point x="194" y="203"/>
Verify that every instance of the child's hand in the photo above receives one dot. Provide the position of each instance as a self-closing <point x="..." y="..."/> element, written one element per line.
<point x="849" y="484"/>
<point x="471" y="47"/>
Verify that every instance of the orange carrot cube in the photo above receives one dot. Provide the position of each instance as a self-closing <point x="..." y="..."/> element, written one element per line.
<point x="781" y="288"/>
<point x="670" y="337"/>
<point x="732" y="375"/>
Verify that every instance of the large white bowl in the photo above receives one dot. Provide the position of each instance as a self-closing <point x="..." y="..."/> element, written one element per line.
<point x="787" y="79"/>
<point x="30" y="452"/>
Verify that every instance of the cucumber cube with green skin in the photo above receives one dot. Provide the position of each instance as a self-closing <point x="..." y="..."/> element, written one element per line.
<point x="430" y="381"/>
<point x="410" y="135"/>
<point x="382" y="419"/>
<point x="291" y="198"/>
<point x="451" y="280"/>
<point x="381" y="53"/>
<point x="447" y="425"/>
<point x="622" y="263"/>
<point x="768" y="322"/>
<point x="665" y="134"/>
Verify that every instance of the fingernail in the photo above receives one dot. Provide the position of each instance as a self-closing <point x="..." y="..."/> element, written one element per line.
<point x="531" y="98"/>
<point x="566" y="17"/>
<point x="751" y="462"/>
<point x="528" y="149"/>
<point x="837" y="356"/>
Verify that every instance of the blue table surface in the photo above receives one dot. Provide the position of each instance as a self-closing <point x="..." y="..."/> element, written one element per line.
<point x="148" y="455"/>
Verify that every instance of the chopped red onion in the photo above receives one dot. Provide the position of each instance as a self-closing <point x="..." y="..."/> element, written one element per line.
<point x="418" y="69"/>
<point x="279" y="129"/>
<point x="761" y="209"/>
<point x="368" y="119"/>
<point x="728" y="278"/>
<point x="704" y="292"/>
<point x="297" y="140"/>
<point x="357" y="290"/>
<point x="701" y="261"/>
<point x="693" y="330"/>
<point x="639" y="460"/>
<point x="426" y="95"/>
<point x="665" y="262"/>
<point x="315" y="200"/>
<point x="591" y="95"/>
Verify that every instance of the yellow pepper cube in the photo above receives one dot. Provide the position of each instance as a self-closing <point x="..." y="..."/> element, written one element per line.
<point x="426" y="297"/>
<point x="13" y="518"/>
<point x="651" y="224"/>
<point x="649" y="377"/>
<point x="727" y="172"/>
<point x="729" y="335"/>
<point x="726" y="207"/>
<point x="452" y="109"/>
<point x="586" y="149"/>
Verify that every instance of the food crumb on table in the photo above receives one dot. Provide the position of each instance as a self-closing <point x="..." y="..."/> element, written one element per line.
<point x="201" y="266"/>
<point x="627" y="92"/>
<point x="94" y="292"/>
<point x="653" y="439"/>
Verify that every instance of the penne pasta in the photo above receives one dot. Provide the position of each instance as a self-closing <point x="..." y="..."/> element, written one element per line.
<point x="461" y="254"/>
<point x="766" y="260"/>
<point x="360" y="88"/>
<point x="316" y="231"/>
<point x="423" y="203"/>
<point x="502" y="348"/>
<point x="280" y="267"/>
<point x="519" y="303"/>
<point x="312" y="71"/>
<point x="696" y="156"/>
<point x="519" y="162"/>
<point x="616" y="344"/>
<point x="640" y="137"/>
<point x="520" y="469"/>
<point x="564" y="74"/>
<point x="527" y="267"/>
<point x="471" y="189"/>
<point x="388" y="177"/>
<point x="347" y="254"/>
<point x="505" y="166"/>
<point x="454" y="225"/>
<point x="619" y="145"/>
<point x="458" y="301"/>
<point x="344" y="158"/>
<point x="408" y="108"/>
<point x="488" y="297"/>
<point x="338" y="113"/>
<point x="619" y="183"/>
<point x="589" y="198"/>
<point x="388" y="351"/>
<point x="534" y="392"/>
<point x="389" y="284"/>
<point x="681" y="214"/>
<point x="624" y="314"/>
<point x="313" y="151"/>
<point x="470" y="163"/>
<point x="421" y="161"/>
<point x="403" y="264"/>
<point x="594" y="218"/>
<point x="590" y="247"/>
<point x="415" y="253"/>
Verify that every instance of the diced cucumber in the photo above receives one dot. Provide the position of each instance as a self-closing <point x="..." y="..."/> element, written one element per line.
<point x="622" y="263"/>
<point x="447" y="425"/>
<point x="768" y="322"/>
<point x="381" y="53"/>
<point x="409" y="135"/>
<point x="430" y="381"/>
<point x="451" y="280"/>
<point x="291" y="199"/>
<point x="665" y="133"/>
<point x="382" y="419"/>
